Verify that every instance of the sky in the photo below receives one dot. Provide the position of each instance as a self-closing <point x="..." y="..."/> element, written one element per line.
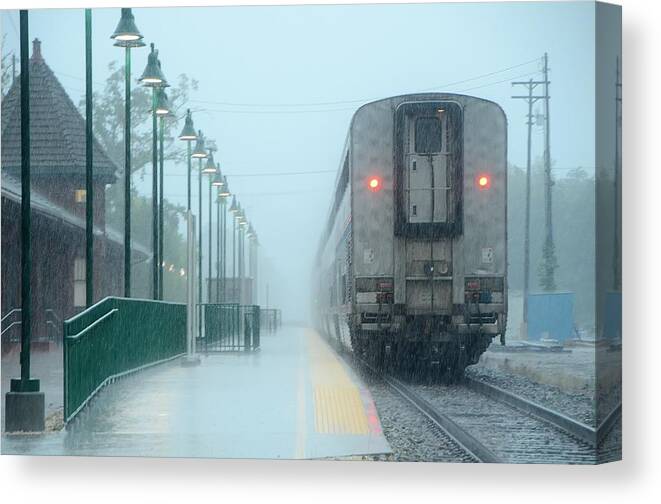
<point x="278" y="86"/>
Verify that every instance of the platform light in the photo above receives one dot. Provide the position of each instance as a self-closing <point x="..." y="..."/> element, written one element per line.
<point x="374" y="184"/>
<point x="126" y="30"/>
<point x="483" y="181"/>
<point x="200" y="152"/>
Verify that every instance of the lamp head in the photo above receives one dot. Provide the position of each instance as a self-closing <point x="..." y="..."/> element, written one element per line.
<point x="188" y="132"/>
<point x="127" y="34"/>
<point x="199" y="152"/>
<point x="210" y="167"/>
<point x="162" y="103"/>
<point x="152" y="75"/>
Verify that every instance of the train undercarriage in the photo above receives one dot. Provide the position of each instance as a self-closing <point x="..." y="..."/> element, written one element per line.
<point x="421" y="355"/>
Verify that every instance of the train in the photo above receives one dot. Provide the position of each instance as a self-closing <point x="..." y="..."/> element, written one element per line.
<point x="411" y="267"/>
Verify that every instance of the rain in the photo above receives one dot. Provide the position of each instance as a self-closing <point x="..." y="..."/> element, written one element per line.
<point x="327" y="233"/>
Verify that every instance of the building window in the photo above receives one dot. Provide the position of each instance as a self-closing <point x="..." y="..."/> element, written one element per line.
<point x="79" y="287"/>
<point x="80" y="195"/>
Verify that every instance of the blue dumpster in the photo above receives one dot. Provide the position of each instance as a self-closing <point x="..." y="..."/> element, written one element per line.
<point x="551" y="315"/>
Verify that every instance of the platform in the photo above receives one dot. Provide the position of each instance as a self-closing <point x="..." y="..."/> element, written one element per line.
<point x="292" y="399"/>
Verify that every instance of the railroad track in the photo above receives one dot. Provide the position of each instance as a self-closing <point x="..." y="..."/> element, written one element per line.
<point x="507" y="428"/>
<point x="579" y="430"/>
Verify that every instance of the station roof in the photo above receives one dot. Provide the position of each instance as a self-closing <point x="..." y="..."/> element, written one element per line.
<point x="11" y="189"/>
<point x="57" y="129"/>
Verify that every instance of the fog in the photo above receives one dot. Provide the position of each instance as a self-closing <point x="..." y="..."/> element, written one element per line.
<point x="278" y="87"/>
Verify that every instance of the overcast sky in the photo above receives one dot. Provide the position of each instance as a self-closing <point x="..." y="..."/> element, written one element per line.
<point x="278" y="87"/>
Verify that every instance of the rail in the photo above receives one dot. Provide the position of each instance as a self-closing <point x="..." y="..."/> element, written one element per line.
<point x="115" y="337"/>
<point x="458" y="434"/>
<point x="13" y="324"/>
<point x="572" y="427"/>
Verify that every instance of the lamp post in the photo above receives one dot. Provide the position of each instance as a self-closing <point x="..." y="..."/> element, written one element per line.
<point x="127" y="35"/>
<point x="217" y="182"/>
<point x="223" y="194"/>
<point x="187" y="135"/>
<point x="243" y="222"/>
<point x="89" y="169"/>
<point x="210" y="170"/>
<point x="24" y="403"/>
<point x="199" y="153"/>
<point x="162" y="111"/>
<point x="252" y="261"/>
<point x="153" y="77"/>
<point x="234" y="208"/>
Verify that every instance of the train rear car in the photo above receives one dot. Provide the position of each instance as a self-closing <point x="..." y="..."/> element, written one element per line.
<point x="413" y="259"/>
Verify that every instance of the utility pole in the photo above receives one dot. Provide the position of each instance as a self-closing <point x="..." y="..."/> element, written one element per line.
<point x="531" y="99"/>
<point x="550" y="262"/>
<point x="617" y="273"/>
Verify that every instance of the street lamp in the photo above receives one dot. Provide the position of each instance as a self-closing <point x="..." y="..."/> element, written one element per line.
<point x="162" y="110"/>
<point x="153" y="77"/>
<point x="223" y="194"/>
<point x="217" y="181"/>
<point x="211" y="170"/>
<point x="187" y="135"/>
<point x="243" y="222"/>
<point x="127" y="35"/>
<point x="199" y="153"/>
<point x="234" y="209"/>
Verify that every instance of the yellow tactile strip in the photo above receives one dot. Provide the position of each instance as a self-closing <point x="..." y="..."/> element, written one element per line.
<point x="338" y="406"/>
<point x="339" y="410"/>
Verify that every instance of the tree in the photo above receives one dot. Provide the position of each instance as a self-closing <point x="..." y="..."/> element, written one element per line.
<point x="108" y="113"/>
<point x="6" y="68"/>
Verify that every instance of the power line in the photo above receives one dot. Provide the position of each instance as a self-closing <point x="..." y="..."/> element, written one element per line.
<point x="343" y="102"/>
<point x="235" y="175"/>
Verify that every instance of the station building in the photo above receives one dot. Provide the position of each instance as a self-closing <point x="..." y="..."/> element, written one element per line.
<point x="58" y="157"/>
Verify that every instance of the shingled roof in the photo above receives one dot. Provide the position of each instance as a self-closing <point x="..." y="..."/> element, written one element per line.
<point x="57" y="130"/>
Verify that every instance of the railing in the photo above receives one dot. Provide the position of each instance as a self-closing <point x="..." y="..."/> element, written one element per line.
<point x="53" y="325"/>
<point x="13" y="324"/>
<point x="229" y="327"/>
<point x="270" y="319"/>
<point x="115" y="337"/>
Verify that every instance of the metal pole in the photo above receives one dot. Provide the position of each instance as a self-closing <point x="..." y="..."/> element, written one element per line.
<point x="234" y="280"/>
<point x="224" y="264"/>
<point x="199" y="251"/>
<point x="190" y="268"/>
<point x="154" y="196"/>
<point x="549" y="247"/>
<point x="161" y="177"/>
<point x="210" y="244"/>
<point x="127" y="172"/>
<point x="526" y="241"/>
<point x="218" y="250"/>
<point x="617" y="280"/>
<point x="89" y="187"/>
<point x="26" y="224"/>
<point x="190" y="169"/>
<point x="240" y="264"/>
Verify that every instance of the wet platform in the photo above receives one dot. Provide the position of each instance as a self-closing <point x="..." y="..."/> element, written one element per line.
<point x="292" y="399"/>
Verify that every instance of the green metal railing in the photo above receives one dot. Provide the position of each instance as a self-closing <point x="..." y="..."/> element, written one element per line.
<point x="229" y="327"/>
<point x="114" y="337"/>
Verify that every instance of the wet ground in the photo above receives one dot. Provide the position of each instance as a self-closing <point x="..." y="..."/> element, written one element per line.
<point x="294" y="398"/>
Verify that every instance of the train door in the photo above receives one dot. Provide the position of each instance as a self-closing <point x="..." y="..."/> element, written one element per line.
<point x="429" y="191"/>
<point x="426" y="164"/>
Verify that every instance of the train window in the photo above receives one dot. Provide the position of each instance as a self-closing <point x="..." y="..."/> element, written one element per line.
<point x="428" y="135"/>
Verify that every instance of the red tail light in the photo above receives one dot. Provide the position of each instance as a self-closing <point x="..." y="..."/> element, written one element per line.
<point x="374" y="184"/>
<point x="483" y="181"/>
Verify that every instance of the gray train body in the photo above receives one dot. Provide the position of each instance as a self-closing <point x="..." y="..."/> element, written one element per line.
<point x="412" y="262"/>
